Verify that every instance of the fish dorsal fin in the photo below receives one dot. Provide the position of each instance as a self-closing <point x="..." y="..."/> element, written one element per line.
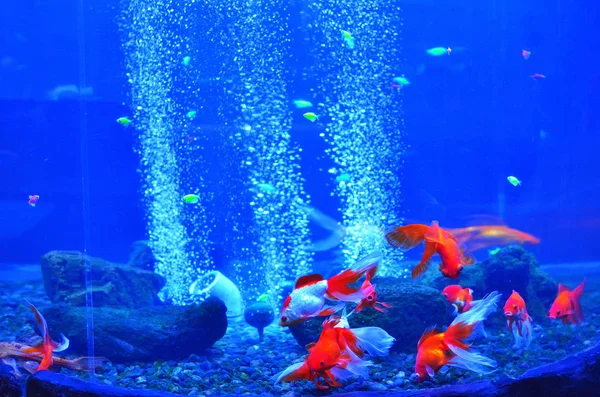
<point x="310" y="346"/>
<point x="428" y="332"/>
<point x="308" y="280"/>
<point x="562" y="288"/>
<point x="466" y="259"/>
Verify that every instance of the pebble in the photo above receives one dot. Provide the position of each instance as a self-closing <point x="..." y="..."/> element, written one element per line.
<point x="373" y="386"/>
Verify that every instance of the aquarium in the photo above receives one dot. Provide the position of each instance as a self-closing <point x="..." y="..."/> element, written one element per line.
<point x="299" y="198"/>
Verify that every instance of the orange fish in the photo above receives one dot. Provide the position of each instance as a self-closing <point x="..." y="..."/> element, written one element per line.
<point x="47" y="345"/>
<point x="525" y="54"/>
<point x="437" y="240"/>
<point x="312" y="292"/>
<point x="518" y="320"/>
<point x="566" y="306"/>
<point x="370" y="300"/>
<point x="437" y="349"/>
<point x="458" y="297"/>
<point x="474" y="238"/>
<point x="338" y="353"/>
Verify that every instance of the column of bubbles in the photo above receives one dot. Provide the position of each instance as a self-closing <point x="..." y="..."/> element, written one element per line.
<point x="258" y="40"/>
<point x="356" y="48"/>
<point x="157" y="57"/>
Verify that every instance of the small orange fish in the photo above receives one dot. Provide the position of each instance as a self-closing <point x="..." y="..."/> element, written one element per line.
<point x="525" y="54"/>
<point x="458" y="297"/>
<point x="474" y="238"/>
<point x="518" y="320"/>
<point x="566" y="306"/>
<point x="47" y="345"/>
<point x="370" y="300"/>
<point x="437" y="349"/>
<point x="312" y="292"/>
<point x="437" y="240"/>
<point x="338" y="354"/>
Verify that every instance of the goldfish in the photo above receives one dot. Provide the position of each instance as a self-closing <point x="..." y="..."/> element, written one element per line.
<point x="124" y="121"/>
<point x="191" y="114"/>
<point x="437" y="240"/>
<point x="439" y="51"/>
<point x="458" y="297"/>
<point x="401" y="80"/>
<point x="514" y="180"/>
<point x="191" y="198"/>
<point x="343" y="178"/>
<point x="347" y="37"/>
<point x="525" y="54"/>
<point x="301" y="104"/>
<point x="537" y="76"/>
<point x="370" y="300"/>
<point x="186" y="61"/>
<point x="338" y="354"/>
<point x="437" y="349"/>
<point x="566" y="306"/>
<point x="311" y="116"/>
<point x="517" y="320"/>
<point x="47" y="345"/>
<point x="474" y="238"/>
<point x="33" y="199"/>
<point x="312" y="292"/>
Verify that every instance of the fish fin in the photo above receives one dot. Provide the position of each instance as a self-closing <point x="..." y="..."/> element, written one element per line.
<point x="406" y="237"/>
<point x="466" y="259"/>
<point x="37" y="349"/>
<point x="310" y="346"/>
<point x="63" y="345"/>
<point x="470" y="291"/>
<point x="427" y="333"/>
<point x="308" y="280"/>
<point x="46" y="363"/>
<point x="471" y="361"/>
<point x="455" y="312"/>
<point x="339" y="287"/>
<point x="480" y="309"/>
<point x="351" y="362"/>
<point x="292" y="373"/>
<point x="562" y="288"/>
<point x="575" y="297"/>
<point x="430" y="371"/>
<point x="374" y="340"/>
<point x="422" y="267"/>
<point x="328" y="310"/>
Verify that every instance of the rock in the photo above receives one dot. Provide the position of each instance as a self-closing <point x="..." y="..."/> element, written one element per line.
<point x="48" y="383"/>
<point x="9" y="386"/>
<point x="141" y="256"/>
<point x="145" y="334"/>
<point x="414" y="308"/>
<point x="259" y="315"/>
<point x="471" y="277"/>
<point x="113" y="284"/>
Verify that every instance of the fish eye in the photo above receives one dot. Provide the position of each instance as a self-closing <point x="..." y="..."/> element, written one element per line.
<point x="322" y="363"/>
<point x="284" y="319"/>
<point x="558" y="313"/>
<point x="370" y="297"/>
<point x="515" y="307"/>
<point x="445" y="295"/>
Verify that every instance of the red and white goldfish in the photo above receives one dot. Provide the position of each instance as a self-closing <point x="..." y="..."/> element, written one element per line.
<point x="566" y="306"/>
<point x="370" y="299"/>
<point x="525" y="54"/>
<point x="338" y="354"/>
<point x="437" y="240"/>
<point x="474" y="238"/>
<point x="458" y="297"/>
<point x="518" y="320"/>
<point x="311" y="293"/>
<point x="33" y="199"/>
<point x="437" y="349"/>
<point x="47" y="345"/>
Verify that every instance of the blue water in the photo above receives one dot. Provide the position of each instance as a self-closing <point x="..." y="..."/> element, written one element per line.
<point x="465" y="123"/>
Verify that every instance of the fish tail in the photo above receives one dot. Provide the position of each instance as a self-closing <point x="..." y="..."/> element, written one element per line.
<point x="339" y="287"/>
<point x="292" y="373"/>
<point x="480" y="310"/>
<point x="46" y="363"/>
<point x="523" y="333"/>
<point x="430" y="249"/>
<point x="406" y="237"/>
<point x="576" y="296"/>
<point x="457" y="333"/>
<point x="373" y="340"/>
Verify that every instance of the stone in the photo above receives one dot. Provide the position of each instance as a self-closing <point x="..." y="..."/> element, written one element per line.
<point x="414" y="308"/>
<point x="141" y="256"/>
<point x="112" y="284"/>
<point x="9" y="385"/>
<point x="146" y="334"/>
<point x="259" y="315"/>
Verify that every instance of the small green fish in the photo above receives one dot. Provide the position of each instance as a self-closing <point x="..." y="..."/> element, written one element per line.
<point x="401" y="80"/>
<point x="186" y="61"/>
<point x="301" y="104"/>
<point x="266" y="187"/>
<point x="494" y="251"/>
<point x="311" y="116"/>
<point x="263" y="298"/>
<point x="191" y="114"/>
<point x="514" y="180"/>
<point x="191" y="198"/>
<point x="439" y="51"/>
<point x="347" y="36"/>
<point x="124" y="121"/>
<point x="343" y="178"/>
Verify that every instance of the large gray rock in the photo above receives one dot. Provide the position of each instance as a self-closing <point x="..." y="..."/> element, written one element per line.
<point x="145" y="334"/>
<point x="414" y="308"/>
<point x="112" y="284"/>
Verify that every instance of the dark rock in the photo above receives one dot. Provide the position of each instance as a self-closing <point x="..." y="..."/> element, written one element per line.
<point x="259" y="315"/>
<point x="112" y="284"/>
<point x="9" y="386"/>
<point x="141" y="256"/>
<point x="145" y="334"/>
<point x="414" y="308"/>
<point x="471" y="277"/>
<point x="49" y="384"/>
